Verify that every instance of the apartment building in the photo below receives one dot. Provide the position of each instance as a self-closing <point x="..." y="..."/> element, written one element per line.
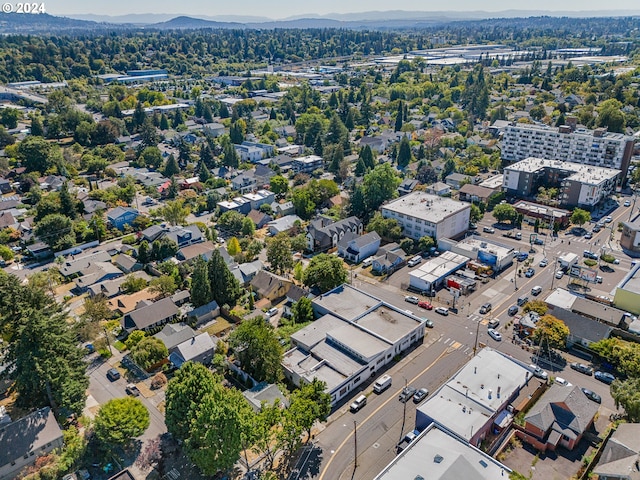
<point x="567" y="143"/>
<point x="579" y="185"/>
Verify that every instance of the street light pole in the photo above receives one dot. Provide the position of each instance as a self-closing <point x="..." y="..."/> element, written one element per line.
<point x="355" y="445"/>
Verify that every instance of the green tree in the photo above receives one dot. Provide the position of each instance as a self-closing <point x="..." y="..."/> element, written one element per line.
<point x="399" y="116"/>
<point x="35" y="154"/>
<point x="149" y="351"/>
<point x="553" y="331"/>
<point x="225" y="288"/>
<point x="279" y="184"/>
<point x="611" y="116"/>
<point x="171" y="168"/>
<point x="185" y="393"/>
<point x="302" y="311"/>
<point x="426" y="243"/>
<point x="175" y="212"/>
<point x="163" y="285"/>
<point x="476" y="213"/>
<point x="380" y="185"/>
<point x="68" y="202"/>
<point x="303" y="203"/>
<point x="144" y="253"/>
<point x="280" y="253"/>
<point x="6" y="253"/>
<point x="325" y="272"/>
<point x="404" y="153"/>
<point x="200" y="286"/>
<point x="311" y="403"/>
<point x="151" y="157"/>
<point x="580" y="217"/>
<point x="43" y="357"/>
<point x="626" y="394"/>
<point x="248" y="227"/>
<point x="134" y="339"/>
<point x="388" y="228"/>
<point x="9" y="117"/>
<point x="120" y="420"/>
<point x="504" y="212"/>
<point x="231" y="221"/>
<point x="257" y="348"/>
<point x="366" y="155"/>
<point x="360" y="169"/>
<point x="56" y="230"/>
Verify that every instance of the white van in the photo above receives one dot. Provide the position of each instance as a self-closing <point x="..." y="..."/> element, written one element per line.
<point x="358" y="403"/>
<point x="382" y="384"/>
<point x="537" y="290"/>
<point x="414" y="261"/>
<point x="367" y="262"/>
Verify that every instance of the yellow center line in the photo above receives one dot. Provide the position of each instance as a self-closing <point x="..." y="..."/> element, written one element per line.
<point x="375" y="412"/>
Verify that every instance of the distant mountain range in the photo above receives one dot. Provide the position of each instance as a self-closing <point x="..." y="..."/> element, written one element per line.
<point x="396" y="19"/>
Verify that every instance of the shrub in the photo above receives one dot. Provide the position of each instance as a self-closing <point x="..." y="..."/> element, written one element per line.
<point x="129" y="240"/>
<point x="159" y="380"/>
<point x="605" y="257"/>
<point x="590" y="263"/>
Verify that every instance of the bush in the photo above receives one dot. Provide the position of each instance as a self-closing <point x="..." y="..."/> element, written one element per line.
<point x="590" y="263"/>
<point x="129" y="240"/>
<point x="159" y="380"/>
<point x="605" y="257"/>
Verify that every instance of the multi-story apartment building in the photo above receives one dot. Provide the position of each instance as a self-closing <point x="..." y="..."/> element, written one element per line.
<point x="567" y="143"/>
<point x="579" y="185"/>
<point x="421" y="214"/>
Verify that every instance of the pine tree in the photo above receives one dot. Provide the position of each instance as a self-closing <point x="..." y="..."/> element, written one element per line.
<point x="225" y="288"/>
<point x="399" y="115"/>
<point x="360" y="168"/>
<point x="203" y="172"/>
<point x="68" y="204"/>
<point x="404" y="153"/>
<point x="366" y="154"/>
<point x="206" y="155"/>
<point x="164" y="122"/>
<point x="171" y="168"/>
<point x="200" y="286"/>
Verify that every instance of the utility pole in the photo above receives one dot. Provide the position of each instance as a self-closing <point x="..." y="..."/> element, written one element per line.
<point x="404" y="413"/>
<point x="355" y="445"/>
<point x="106" y="336"/>
<point x="515" y="276"/>
<point x="475" y="346"/>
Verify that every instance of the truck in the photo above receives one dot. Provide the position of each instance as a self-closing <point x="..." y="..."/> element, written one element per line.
<point x="382" y="384"/>
<point x="406" y="440"/>
<point x="567" y="260"/>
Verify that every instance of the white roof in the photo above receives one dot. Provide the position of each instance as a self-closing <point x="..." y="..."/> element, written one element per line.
<point x="425" y="206"/>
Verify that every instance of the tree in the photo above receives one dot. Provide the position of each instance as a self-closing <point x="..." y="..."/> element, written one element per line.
<point x="225" y="288"/>
<point x="219" y="431"/>
<point x="504" y="212"/>
<point x="35" y="154"/>
<point x="538" y="306"/>
<point x="256" y="346"/>
<point x="231" y="221"/>
<point x="475" y="213"/>
<point x="553" y="331"/>
<point x="233" y="246"/>
<point x="185" y="392"/>
<point x="366" y="155"/>
<point x="580" y="217"/>
<point x="279" y="184"/>
<point x="134" y="339"/>
<point x="9" y="117"/>
<point x="96" y="310"/>
<point x="404" y="153"/>
<point x="311" y="403"/>
<point x="248" y="227"/>
<point x="120" y="420"/>
<point x="426" y="243"/>
<point x="380" y="184"/>
<point x="399" y="116"/>
<point x="200" y="286"/>
<point x="388" y="228"/>
<point x="175" y="212"/>
<point x="626" y="394"/>
<point x="303" y="203"/>
<point x="280" y="253"/>
<point x="68" y="202"/>
<point x="149" y="351"/>
<point x="56" y="230"/>
<point x="43" y="357"/>
<point x="6" y="253"/>
<point x="611" y="116"/>
<point x="360" y="169"/>
<point x="163" y="285"/>
<point x="171" y="168"/>
<point x="151" y="157"/>
<point x="325" y="272"/>
<point x="302" y="311"/>
<point x="143" y="253"/>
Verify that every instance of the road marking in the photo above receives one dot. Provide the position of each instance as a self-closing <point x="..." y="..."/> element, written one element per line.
<point x="447" y="340"/>
<point x="456" y="345"/>
<point x="384" y="404"/>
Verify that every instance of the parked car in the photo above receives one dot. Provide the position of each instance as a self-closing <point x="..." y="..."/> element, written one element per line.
<point x="538" y="241"/>
<point x="522" y="300"/>
<point x="272" y="311"/>
<point x="596" y="228"/>
<point x="486" y="308"/>
<point x="428" y="323"/>
<point x="582" y="368"/>
<point x="132" y="390"/>
<point x="589" y="236"/>
<point x="537" y="290"/>
<point x="412" y="299"/>
<point x="358" y="403"/>
<point x="494" y="334"/>
<point x="627" y="203"/>
<point x="414" y="261"/>
<point x="113" y="374"/>
<point x="518" y="236"/>
<point x="562" y="381"/>
<point x="406" y="394"/>
<point x="604" y="377"/>
<point x="529" y="273"/>
<point x="442" y="311"/>
<point x="493" y="323"/>
<point x="489" y="230"/>
<point x="559" y="274"/>
<point x="616" y="261"/>
<point x="420" y="395"/>
<point x="593" y="396"/>
<point x="543" y="263"/>
<point x="608" y="219"/>
<point x="426" y="305"/>
<point x="367" y="262"/>
<point x="538" y="372"/>
<point x="598" y="279"/>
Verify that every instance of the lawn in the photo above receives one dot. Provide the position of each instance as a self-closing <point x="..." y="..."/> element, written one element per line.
<point x="220" y="325"/>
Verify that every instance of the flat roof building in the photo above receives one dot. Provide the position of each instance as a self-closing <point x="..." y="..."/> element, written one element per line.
<point x="630" y="238"/>
<point x="580" y="185"/>
<point x="432" y="274"/>
<point x="420" y="214"/>
<point x="485" y="250"/>
<point x="627" y="296"/>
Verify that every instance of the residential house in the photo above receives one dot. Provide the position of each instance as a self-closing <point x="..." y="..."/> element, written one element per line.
<point x="249" y="153"/>
<point x="7" y="220"/>
<point x="9" y="203"/>
<point x="266" y="393"/>
<point x="620" y="455"/>
<point x="121" y="216"/>
<point x="181" y="297"/>
<point x="93" y="206"/>
<point x="259" y="198"/>
<point x="388" y="259"/>
<point x="245" y="272"/>
<point x="270" y="286"/>
<point x="26" y="439"/>
<point x="244" y="182"/>
<point x="173" y="334"/>
<point x="123" y="304"/>
<point x="260" y="219"/>
<point x="111" y="288"/>
<point x="475" y="193"/>
<point x="197" y="349"/>
<point x="324" y="233"/>
<point x="294" y="294"/>
<point x="123" y="475"/>
<point x="40" y="251"/>
<point x="205" y="313"/>
<point x="213" y="129"/>
<point x="52" y="183"/>
<point x="559" y="418"/>
<point x="5" y="186"/>
<point x="95" y="273"/>
<point x="282" y="209"/>
<point x="183" y="236"/>
<point x="407" y="186"/>
<point x="583" y="331"/>
<point x="127" y="263"/>
<point x="439" y="189"/>
<point x="191" y="252"/>
<point x="79" y="265"/>
<point x="377" y="144"/>
<point x="355" y="248"/>
<point x="150" y="315"/>
<point x="283" y="224"/>
<point x="456" y="180"/>
<point x="263" y="176"/>
<point x="307" y="164"/>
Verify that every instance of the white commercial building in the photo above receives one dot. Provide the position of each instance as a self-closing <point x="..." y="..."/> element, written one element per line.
<point x="567" y="143"/>
<point x="485" y="250"/>
<point x="421" y="214"/>
<point x="433" y="273"/>
<point x="579" y="185"/>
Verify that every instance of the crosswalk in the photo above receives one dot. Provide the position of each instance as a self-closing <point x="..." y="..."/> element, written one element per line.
<point x="456" y="345"/>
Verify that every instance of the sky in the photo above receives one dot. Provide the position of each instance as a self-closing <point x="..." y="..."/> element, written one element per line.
<point x="284" y="8"/>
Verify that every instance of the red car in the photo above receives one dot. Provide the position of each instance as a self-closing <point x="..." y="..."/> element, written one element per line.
<point x="426" y="305"/>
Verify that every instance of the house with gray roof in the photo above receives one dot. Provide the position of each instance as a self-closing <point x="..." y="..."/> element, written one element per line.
<point x="184" y="236"/>
<point x="205" y="313"/>
<point x="78" y="265"/>
<point x="121" y="216"/>
<point x="265" y="392"/>
<point x="269" y="285"/>
<point x="95" y="273"/>
<point x="283" y="224"/>
<point x="388" y="259"/>
<point x="324" y="233"/>
<point x="191" y="252"/>
<point x="559" y="418"/>
<point x="355" y="248"/>
<point x="621" y="454"/>
<point x="151" y="315"/>
<point x="26" y="439"/>
<point x="174" y="334"/>
<point x="197" y="349"/>
<point x="111" y="288"/>
<point x="127" y="263"/>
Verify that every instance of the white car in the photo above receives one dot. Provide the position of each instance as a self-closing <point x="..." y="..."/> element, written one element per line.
<point x="608" y="220"/>
<point x="272" y="311"/>
<point x="494" y="334"/>
<point x="442" y="311"/>
<point x="627" y="203"/>
<point x="559" y="274"/>
<point x="562" y="381"/>
<point x="543" y="263"/>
